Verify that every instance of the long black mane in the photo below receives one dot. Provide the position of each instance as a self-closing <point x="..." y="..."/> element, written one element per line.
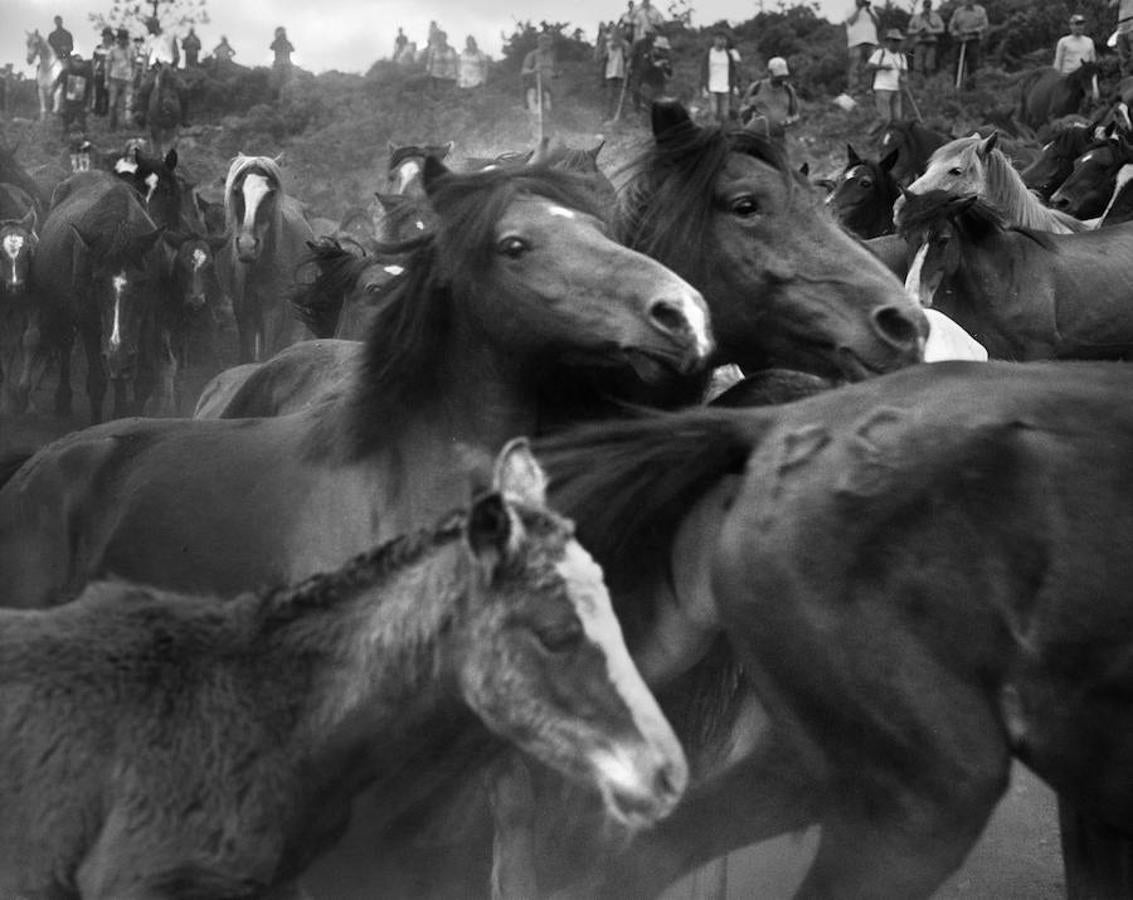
<point x="973" y="217"/>
<point x="668" y="200"/>
<point x="406" y="346"/>
<point x="319" y="303"/>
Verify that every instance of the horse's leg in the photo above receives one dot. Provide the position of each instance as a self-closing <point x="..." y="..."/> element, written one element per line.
<point x="122" y="405"/>
<point x="65" y="343"/>
<point x="96" y="374"/>
<point x="1098" y="859"/>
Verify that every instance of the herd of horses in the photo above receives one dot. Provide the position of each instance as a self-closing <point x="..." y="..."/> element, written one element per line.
<point x="255" y="651"/>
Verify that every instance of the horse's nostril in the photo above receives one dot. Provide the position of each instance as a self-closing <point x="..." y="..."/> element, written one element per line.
<point x="669" y="317"/>
<point x="898" y="326"/>
<point x="1060" y="203"/>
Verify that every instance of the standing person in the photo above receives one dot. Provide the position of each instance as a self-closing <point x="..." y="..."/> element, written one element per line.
<point x="925" y="28"/>
<point x="77" y="82"/>
<point x="281" y="64"/>
<point x="473" y="68"/>
<point x="1122" y="38"/>
<point x="861" y="41"/>
<point x="890" y="68"/>
<point x="626" y="21"/>
<point x="442" y="63"/>
<point x="614" y="73"/>
<point x="101" y="103"/>
<point x="161" y="49"/>
<point x="223" y="53"/>
<point x="399" y="44"/>
<point x="1074" y="49"/>
<point x="720" y="76"/>
<point x="647" y="21"/>
<point x="191" y="46"/>
<point x="119" y="77"/>
<point x="967" y="28"/>
<point x="541" y="64"/>
<point x="771" y="104"/>
<point x="61" y="41"/>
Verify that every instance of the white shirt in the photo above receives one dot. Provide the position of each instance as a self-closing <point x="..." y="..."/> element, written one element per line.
<point x="1071" y="51"/>
<point x="161" y="48"/>
<point x="888" y="79"/>
<point x="718" y="70"/>
<point x="863" y="30"/>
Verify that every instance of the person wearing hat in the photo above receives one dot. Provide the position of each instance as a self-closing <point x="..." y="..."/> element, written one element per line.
<point x="1075" y="48"/>
<point x="890" y="69"/>
<point x="719" y="76"/>
<point x="967" y="28"/>
<point x="771" y="104"/>
<point x="119" y="77"/>
<point x="98" y="64"/>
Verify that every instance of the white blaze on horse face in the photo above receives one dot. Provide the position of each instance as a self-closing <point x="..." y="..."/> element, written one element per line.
<point x="125" y="166"/>
<point x="119" y="283"/>
<point x="409" y="170"/>
<point x="393" y="270"/>
<point x="625" y="768"/>
<point x="199" y="258"/>
<point x="562" y="212"/>
<point x="256" y="187"/>
<point x="151" y="185"/>
<point x="13" y="244"/>
<point x="913" y="281"/>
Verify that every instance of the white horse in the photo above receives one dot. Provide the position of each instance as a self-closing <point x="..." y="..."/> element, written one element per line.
<point x="46" y="72"/>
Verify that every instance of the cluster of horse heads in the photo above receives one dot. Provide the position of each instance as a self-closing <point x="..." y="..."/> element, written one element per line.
<point x="527" y="306"/>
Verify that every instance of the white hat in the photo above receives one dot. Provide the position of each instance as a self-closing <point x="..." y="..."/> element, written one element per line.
<point x="777" y="66"/>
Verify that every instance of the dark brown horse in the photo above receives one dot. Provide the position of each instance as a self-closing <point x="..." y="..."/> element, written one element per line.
<point x="915" y="143"/>
<point x="1046" y="93"/>
<point x="98" y="273"/>
<point x="923" y="576"/>
<point x="1023" y="294"/>
<point x="18" y="242"/>
<point x="146" y="751"/>
<point x="787" y="287"/>
<point x="1086" y="191"/>
<point x="863" y="199"/>
<point x="1055" y="160"/>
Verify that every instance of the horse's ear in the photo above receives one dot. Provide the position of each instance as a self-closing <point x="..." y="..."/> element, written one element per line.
<point x="670" y="120"/>
<point x="448" y="148"/>
<point x="542" y="151"/>
<point x="804" y="170"/>
<point x="388" y="201"/>
<point x="852" y="157"/>
<point x="490" y="529"/>
<point x="391" y="147"/>
<point x="595" y="150"/>
<point x="170" y="160"/>
<point x="518" y="474"/>
<point x="434" y="171"/>
<point x="988" y="144"/>
<point x="890" y="159"/>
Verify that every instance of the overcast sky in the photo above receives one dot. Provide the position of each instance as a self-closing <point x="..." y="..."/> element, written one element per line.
<point x="351" y="34"/>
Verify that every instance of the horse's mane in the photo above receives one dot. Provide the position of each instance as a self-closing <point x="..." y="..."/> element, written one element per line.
<point x="668" y="198"/>
<point x="405" y="347"/>
<point x="1073" y="141"/>
<point x="240" y="165"/>
<point x="976" y="217"/>
<point x="1004" y="188"/>
<point x="398" y="155"/>
<point x="319" y="303"/>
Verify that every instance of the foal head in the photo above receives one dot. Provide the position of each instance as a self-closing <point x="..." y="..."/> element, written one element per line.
<point x="193" y="279"/>
<point x="17" y="246"/>
<point x="540" y="656"/>
<point x="863" y="200"/>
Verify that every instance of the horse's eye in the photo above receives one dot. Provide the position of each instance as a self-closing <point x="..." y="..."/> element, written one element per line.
<point x="956" y="172"/>
<point x="745" y="205"/>
<point x="560" y="638"/>
<point x="513" y="247"/>
<point x="866" y="183"/>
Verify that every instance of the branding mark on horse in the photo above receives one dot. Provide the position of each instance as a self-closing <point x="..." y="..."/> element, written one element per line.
<point x="873" y="452"/>
<point x="793" y="451"/>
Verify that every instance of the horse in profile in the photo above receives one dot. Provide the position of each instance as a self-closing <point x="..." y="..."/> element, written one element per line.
<point x="963" y="522"/>
<point x="47" y="70"/>
<point x="1055" y="160"/>
<point x="98" y="273"/>
<point x="787" y="286"/>
<point x="163" y="116"/>
<point x="494" y="623"/>
<point x="259" y="266"/>
<point x="1087" y="190"/>
<point x="1046" y="93"/>
<point x="974" y="167"/>
<point x="915" y="143"/>
<point x="1023" y="294"/>
<point x="863" y="199"/>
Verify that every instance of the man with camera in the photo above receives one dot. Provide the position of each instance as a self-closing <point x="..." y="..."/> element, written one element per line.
<point x="861" y="40"/>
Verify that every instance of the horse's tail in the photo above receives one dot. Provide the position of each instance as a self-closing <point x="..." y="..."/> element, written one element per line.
<point x="628" y="484"/>
<point x="11" y="463"/>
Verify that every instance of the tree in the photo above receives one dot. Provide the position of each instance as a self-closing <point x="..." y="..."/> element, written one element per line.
<point x="131" y="14"/>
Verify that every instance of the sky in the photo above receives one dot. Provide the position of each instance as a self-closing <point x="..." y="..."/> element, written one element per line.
<point x="350" y="35"/>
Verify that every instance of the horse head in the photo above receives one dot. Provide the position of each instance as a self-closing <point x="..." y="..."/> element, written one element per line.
<point x="863" y="199"/>
<point x="192" y="269"/>
<point x="252" y="194"/>
<point x="1091" y="182"/>
<point x="18" y="241"/>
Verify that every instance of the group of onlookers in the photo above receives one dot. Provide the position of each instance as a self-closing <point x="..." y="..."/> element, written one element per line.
<point x="447" y="68"/>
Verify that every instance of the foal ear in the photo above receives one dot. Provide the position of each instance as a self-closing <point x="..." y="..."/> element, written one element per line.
<point x="670" y="120"/>
<point x="988" y="144"/>
<point x="170" y="160"/>
<point x="890" y="159"/>
<point x="434" y="170"/>
<point x="490" y="528"/>
<point x="852" y="157"/>
<point x="518" y="474"/>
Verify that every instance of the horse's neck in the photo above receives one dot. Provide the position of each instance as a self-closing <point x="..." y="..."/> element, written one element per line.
<point x="375" y="658"/>
<point x="1004" y="189"/>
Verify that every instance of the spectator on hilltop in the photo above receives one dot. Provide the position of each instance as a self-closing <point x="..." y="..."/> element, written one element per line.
<point x="626" y="21"/>
<point x="925" y="29"/>
<point x="77" y="82"/>
<point x="1122" y="38"/>
<point x="399" y="44"/>
<point x="615" y="55"/>
<point x="442" y="63"/>
<point x="281" y="64"/>
<point x="191" y="46"/>
<point x="771" y="104"/>
<point x="223" y="53"/>
<point x="541" y="65"/>
<point x="119" y="77"/>
<point x="61" y="41"/>
<point x="861" y="41"/>
<point x="647" y="21"/>
<point x="968" y="27"/>
<point x="890" y="69"/>
<point x="161" y="49"/>
<point x="720" y="76"/>
<point x="99" y="55"/>
<point x="1074" y="49"/>
<point x="473" y="65"/>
